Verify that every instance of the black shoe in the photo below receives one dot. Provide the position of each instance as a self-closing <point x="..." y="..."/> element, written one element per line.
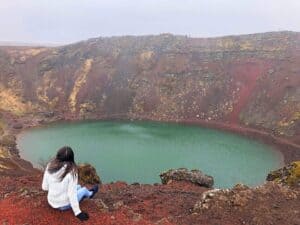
<point x="94" y="189"/>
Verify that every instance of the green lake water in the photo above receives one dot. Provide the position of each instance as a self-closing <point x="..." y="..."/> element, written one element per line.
<point x="139" y="151"/>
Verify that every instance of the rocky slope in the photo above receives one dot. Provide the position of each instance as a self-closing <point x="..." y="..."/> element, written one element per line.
<point x="184" y="203"/>
<point x="250" y="80"/>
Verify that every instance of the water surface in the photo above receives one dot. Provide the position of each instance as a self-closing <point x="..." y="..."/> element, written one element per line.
<point x="139" y="151"/>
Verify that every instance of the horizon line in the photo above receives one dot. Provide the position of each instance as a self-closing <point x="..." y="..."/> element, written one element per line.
<point x="6" y="43"/>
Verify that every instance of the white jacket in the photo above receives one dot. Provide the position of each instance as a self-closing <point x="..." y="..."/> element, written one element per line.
<point x="61" y="193"/>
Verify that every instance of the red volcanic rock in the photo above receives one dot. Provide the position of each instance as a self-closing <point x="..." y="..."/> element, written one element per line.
<point x="87" y="174"/>
<point x="182" y="174"/>
<point x="23" y="202"/>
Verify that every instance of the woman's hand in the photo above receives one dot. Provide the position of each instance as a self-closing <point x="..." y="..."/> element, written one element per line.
<point x="83" y="216"/>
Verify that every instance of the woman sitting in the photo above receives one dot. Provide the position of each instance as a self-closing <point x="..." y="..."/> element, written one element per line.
<point x="61" y="181"/>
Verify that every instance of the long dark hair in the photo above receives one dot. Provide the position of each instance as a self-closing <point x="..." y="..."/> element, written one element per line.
<point x="64" y="156"/>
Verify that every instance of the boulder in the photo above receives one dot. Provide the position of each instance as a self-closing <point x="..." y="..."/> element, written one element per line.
<point x="40" y="121"/>
<point x="287" y="175"/>
<point x="17" y="126"/>
<point x="87" y="174"/>
<point x="182" y="174"/>
<point x="48" y="114"/>
<point x="100" y="205"/>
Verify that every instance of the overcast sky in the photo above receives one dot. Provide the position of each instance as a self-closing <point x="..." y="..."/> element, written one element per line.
<point x="65" y="21"/>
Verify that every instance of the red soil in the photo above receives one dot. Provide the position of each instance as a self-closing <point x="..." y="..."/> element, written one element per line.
<point x="23" y="202"/>
<point x="247" y="74"/>
<point x="27" y="204"/>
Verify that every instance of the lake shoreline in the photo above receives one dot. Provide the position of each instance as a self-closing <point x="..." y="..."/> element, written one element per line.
<point x="195" y="147"/>
<point x="289" y="150"/>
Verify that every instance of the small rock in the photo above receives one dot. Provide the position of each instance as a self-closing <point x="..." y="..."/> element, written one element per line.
<point x="239" y="200"/>
<point x="240" y="187"/>
<point x="205" y="206"/>
<point x="6" y="195"/>
<point x="200" y="205"/>
<point x="163" y="221"/>
<point x="101" y="205"/>
<point x="134" y="216"/>
<point x="24" y="192"/>
<point x="118" y="205"/>
<point x="209" y="194"/>
<point x="48" y="114"/>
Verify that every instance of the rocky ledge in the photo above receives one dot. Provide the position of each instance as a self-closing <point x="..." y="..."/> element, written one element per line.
<point x="177" y="202"/>
<point x="194" y="176"/>
<point x="288" y="175"/>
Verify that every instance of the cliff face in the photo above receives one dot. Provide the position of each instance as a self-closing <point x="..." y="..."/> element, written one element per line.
<point x="249" y="80"/>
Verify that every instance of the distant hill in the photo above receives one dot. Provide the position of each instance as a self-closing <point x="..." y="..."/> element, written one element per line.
<point x="11" y="43"/>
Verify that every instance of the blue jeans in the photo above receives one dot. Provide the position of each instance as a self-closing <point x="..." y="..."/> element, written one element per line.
<point x="82" y="192"/>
